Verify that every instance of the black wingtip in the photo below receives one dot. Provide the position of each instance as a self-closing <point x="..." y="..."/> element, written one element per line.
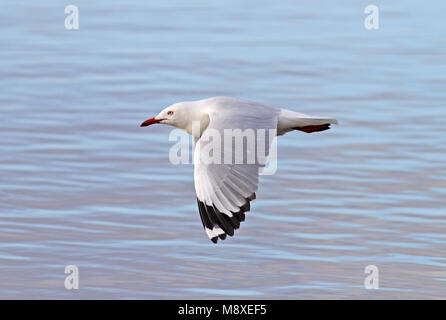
<point x="211" y="217"/>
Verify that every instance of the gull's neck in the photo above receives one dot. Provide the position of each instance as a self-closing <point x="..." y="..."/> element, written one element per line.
<point x="196" y="118"/>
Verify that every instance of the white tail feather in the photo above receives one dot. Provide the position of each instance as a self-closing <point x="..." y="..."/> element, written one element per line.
<point x="290" y="120"/>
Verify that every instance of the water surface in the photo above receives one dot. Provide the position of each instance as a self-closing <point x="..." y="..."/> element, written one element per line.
<point x="81" y="184"/>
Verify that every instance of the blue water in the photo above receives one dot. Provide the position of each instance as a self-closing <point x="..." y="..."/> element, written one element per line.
<point x="82" y="184"/>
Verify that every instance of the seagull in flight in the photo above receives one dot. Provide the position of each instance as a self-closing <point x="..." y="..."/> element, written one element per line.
<point x="224" y="190"/>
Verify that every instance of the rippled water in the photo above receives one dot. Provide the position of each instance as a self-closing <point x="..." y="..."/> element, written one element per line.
<point x="81" y="184"/>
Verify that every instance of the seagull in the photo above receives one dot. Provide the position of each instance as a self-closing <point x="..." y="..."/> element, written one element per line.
<point x="225" y="190"/>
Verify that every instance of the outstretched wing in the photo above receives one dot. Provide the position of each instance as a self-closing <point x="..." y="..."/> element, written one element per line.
<point x="226" y="188"/>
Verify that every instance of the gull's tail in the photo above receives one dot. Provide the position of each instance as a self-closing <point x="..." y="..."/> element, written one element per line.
<point x="290" y="120"/>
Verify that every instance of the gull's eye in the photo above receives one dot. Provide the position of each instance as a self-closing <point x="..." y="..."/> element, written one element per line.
<point x="169" y="113"/>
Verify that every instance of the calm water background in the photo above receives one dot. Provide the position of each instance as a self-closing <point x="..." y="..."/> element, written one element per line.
<point x="82" y="184"/>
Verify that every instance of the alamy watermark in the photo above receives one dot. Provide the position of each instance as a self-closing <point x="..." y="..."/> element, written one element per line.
<point x="72" y="18"/>
<point x="228" y="146"/>
<point x="72" y="280"/>
<point x="372" y="20"/>
<point x="372" y="280"/>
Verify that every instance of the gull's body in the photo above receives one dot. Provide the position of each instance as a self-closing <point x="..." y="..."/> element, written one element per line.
<point x="224" y="191"/>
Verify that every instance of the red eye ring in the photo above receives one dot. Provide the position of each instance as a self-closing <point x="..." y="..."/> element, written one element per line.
<point x="169" y="113"/>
